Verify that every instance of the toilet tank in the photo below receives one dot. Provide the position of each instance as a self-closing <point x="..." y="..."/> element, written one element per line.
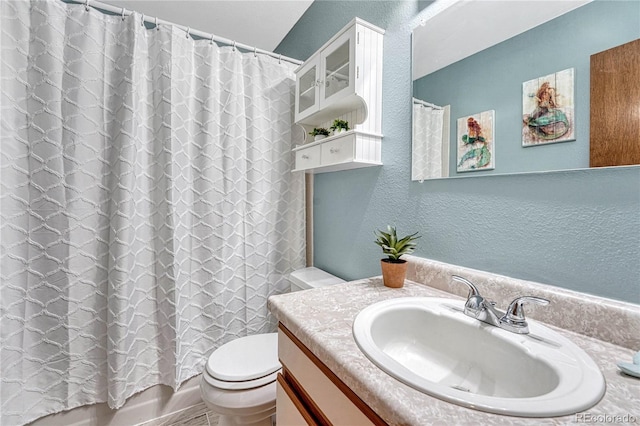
<point x="312" y="277"/>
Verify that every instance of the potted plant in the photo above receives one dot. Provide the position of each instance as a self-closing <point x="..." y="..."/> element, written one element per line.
<point x="339" y="126"/>
<point x="319" y="133"/>
<point x="394" y="269"/>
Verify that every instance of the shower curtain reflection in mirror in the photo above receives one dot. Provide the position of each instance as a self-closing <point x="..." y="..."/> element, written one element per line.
<point x="430" y="141"/>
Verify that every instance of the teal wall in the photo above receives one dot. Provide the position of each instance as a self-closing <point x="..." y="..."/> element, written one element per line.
<point x="492" y="80"/>
<point x="574" y="229"/>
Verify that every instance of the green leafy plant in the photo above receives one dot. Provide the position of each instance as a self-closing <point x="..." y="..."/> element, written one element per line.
<point x="340" y="124"/>
<point x="393" y="246"/>
<point x="319" y="131"/>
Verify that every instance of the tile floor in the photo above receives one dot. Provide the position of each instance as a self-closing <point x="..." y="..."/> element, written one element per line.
<point x="198" y="415"/>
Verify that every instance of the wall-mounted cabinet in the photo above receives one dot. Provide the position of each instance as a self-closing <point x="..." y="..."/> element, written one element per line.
<point x="342" y="80"/>
<point x="350" y="150"/>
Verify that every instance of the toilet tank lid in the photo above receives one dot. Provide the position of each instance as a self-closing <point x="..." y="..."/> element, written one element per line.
<point x="313" y="277"/>
<point x="245" y="358"/>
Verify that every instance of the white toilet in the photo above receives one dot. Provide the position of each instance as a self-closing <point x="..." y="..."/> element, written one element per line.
<point x="239" y="380"/>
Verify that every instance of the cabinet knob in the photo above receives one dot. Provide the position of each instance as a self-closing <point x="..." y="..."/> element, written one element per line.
<point x="305" y="157"/>
<point x="334" y="150"/>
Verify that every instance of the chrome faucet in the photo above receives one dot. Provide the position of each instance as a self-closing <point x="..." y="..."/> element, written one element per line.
<point x="512" y="320"/>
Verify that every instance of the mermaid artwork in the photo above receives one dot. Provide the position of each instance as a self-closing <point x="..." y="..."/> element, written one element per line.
<point x="480" y="154"/>
<point x="547" y="121"/>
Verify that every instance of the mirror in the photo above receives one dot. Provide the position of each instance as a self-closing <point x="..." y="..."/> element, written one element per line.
<point x="514" y="79"/>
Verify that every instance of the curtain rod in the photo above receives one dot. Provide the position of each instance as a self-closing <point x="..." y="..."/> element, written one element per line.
<point x="427" y="104"/>
<point x="191" y="32"/>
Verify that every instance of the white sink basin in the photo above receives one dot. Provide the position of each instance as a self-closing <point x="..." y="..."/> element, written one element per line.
<point x="432" y="346"/>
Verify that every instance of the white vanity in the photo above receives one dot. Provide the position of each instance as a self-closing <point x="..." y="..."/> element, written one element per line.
<point x="328" y="380"/>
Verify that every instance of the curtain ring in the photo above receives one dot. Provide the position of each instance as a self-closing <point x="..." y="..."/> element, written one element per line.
<point x="255" y="52"/>
<point x="123" y="11"/>
<point x="142" y="20"/>
<point x="86" y="5"/>
<point x="157" y="24"/>
<point x="280" y="59"/>
<point x="211" y="41"/>
<point x="188" y="32"/>
<point x="234" y="45"/>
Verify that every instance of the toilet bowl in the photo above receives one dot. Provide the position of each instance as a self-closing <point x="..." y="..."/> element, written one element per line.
<point x="239" y="380"/>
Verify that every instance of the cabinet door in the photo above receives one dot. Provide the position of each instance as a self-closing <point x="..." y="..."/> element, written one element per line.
<point x="290" y="411"/>
<point x="338" y="69"/>
<point x="330" y="404"/>
<point x="307" y="90"/>
<point x="615" y="116"/>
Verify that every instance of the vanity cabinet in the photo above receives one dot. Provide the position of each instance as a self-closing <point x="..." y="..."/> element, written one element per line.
<point x="342" y="80"/>
<point x="309" y="393"/>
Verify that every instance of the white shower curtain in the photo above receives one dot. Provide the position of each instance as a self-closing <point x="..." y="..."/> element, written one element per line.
<point x="427" y="145"/>
<point x="148" y="205"/>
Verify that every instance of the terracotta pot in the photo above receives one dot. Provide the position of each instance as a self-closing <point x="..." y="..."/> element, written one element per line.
<point x="393" y="273"/>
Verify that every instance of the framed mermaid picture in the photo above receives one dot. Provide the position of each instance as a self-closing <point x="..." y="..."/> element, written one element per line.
<point x="475" y="142"/>
<point x="548" y="109"/>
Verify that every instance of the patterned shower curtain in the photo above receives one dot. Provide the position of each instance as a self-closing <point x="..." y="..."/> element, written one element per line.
<point x="148" y="205"/>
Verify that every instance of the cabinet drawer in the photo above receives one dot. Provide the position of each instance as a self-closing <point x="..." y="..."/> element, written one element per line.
<point x="336" y="408"/>
<point x="308" y="158"/>
<point x="338" y="151"/>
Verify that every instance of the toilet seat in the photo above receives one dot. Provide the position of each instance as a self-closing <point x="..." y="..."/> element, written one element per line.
<point x="221" y="384"/>
<point x="244" y="363"/>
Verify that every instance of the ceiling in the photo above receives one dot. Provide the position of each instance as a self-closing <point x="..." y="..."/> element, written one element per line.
<point x="259" y="23"/>
<point x="264" y="23"/>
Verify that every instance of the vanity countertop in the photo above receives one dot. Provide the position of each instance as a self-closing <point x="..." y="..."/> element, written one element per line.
<point x="322" y="320"/>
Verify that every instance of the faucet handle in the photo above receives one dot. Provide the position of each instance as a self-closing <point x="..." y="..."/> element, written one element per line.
<point x="515" y="312"/>
<point x="473" y="290"/>
<point x="474" y="305"/>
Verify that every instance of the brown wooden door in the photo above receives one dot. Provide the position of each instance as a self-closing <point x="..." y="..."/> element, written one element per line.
<point x="615" y="106"/>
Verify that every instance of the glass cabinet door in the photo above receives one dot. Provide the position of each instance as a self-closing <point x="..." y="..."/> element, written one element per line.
<point x="307" y="90"/>
<point x="338" y="68"/>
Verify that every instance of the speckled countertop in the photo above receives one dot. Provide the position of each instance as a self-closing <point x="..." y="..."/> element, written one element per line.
<point x="322" y="319"/>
